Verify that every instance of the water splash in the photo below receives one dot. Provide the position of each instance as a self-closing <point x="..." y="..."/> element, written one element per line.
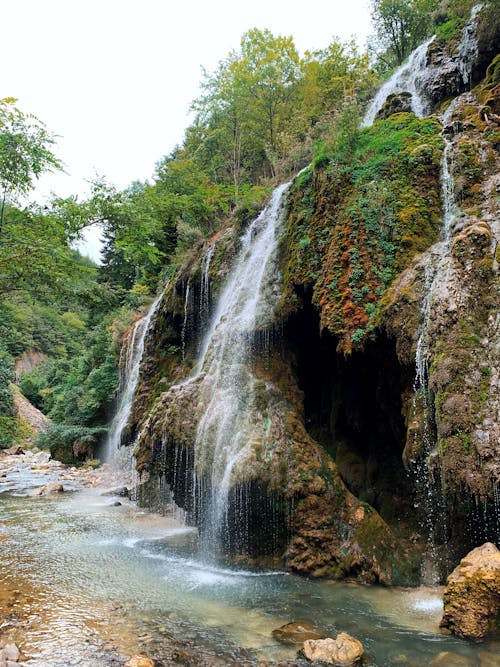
<point x="130" y="362"/>
<point x="405" y="79"/>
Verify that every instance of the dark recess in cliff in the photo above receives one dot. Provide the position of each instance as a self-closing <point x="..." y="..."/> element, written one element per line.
<point x="354" y="407"/>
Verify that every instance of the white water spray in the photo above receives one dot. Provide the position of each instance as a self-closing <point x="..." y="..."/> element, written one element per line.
<point x="245" y="306"/>
<point x="405" y="79"/>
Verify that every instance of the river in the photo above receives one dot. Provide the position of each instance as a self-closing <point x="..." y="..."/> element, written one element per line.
<point x="89" y="582"/>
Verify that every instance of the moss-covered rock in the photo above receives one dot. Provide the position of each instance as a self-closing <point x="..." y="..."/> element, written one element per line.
<point x="353" y="227"/>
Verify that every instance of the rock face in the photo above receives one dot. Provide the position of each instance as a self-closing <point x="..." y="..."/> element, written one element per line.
<point x="456" y="65"/>
<point x="35" y="419"/>
<point x="343" y="650"/>
<point x="340" y="440"/>
<point x="472" y="595"/>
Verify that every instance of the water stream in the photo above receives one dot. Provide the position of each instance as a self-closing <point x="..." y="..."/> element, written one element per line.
<point x="405" y="79"/>
<point x="94" y="584"/>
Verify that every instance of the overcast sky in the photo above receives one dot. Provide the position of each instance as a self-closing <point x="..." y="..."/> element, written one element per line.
<point x="114" y="79"/>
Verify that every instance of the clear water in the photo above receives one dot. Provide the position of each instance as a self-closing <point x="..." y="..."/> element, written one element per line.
<point x="96" y="583"/>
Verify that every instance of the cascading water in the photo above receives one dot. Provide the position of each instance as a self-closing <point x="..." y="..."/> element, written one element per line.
<point x="130" y="362"/>
<point x="437" y="268"/>
<point x="224" y="430"/>
<point x="204" y="306"/>
<point x="185" y="322"/>
<point x="468" y="47"/>
<point x="405" y="79"/>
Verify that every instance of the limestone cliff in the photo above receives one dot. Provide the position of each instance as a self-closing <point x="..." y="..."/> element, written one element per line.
<point x="373" y="400"/>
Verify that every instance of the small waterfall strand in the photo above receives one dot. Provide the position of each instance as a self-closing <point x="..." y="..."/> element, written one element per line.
<point x="185" y="322"/>
<point x="132" y="352"/>
<point x="205" y="283"/>
<point x="435" y="276"/>
<point x="468" y="48"/>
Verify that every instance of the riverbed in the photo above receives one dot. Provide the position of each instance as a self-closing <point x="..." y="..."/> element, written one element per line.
<point x="89" y="579"/>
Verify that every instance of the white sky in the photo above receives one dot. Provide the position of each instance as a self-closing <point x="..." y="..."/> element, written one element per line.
<point x="114" y="79"/>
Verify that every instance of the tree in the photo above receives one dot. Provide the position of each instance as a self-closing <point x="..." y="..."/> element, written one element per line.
<point x="400" y="26"/>
<point x="24" y="151"/>
<point x="246" y="106"/>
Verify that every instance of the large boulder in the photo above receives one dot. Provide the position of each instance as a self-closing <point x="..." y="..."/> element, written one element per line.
<point x="343" y="650"/>
<point x="472" y="594"/>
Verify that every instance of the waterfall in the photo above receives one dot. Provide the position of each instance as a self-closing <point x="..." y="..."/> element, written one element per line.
<point x="467" y="49"/>
<point x="246" y="306"/>
<point x="130" y="362"/>
<point x="185" y="322"/>
<point x="405" y="79"/>
<point x="205" y="283"/>
<point x="436" y="277"/>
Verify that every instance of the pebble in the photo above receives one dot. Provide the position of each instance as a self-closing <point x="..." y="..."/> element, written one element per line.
<point x="9" y="653"/>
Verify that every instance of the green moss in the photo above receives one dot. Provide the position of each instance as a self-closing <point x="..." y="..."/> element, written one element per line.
<point x="353" y="224"/>
<point x="449" y="30"/>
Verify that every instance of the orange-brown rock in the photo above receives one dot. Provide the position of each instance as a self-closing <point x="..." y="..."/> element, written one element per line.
<point x="472" y="595"/>
<point x="343" y="650"/>
<point x="139" y="661"/>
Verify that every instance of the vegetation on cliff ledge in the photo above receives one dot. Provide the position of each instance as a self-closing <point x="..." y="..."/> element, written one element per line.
<point x="358" y="216"/>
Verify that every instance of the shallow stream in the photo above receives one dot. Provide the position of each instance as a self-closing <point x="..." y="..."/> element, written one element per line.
<point x="87" y="582"/>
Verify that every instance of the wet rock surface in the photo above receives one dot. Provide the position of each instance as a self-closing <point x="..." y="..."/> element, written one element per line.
<point x="9" y="653"/>
<point x="344" y="650"/>
<point x="297" y="632"/>
<point x="472" y="595"/>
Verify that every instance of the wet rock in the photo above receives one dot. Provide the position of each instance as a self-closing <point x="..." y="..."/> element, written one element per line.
<point x="343" y="650"/>
<point x="447" y="658"/>
<point x="15" y="450"/>
<point x="395" y="103"/>
<point x="472" y="594"/>
<point x="9" y="653"/>
<point x="117" y="503"/>
<point x="297" y="632"/>
<point x="121" y="492"/>
<point x="488" y="659"/>
<point x="50" y="489"/>
<point x="139" y="661"/>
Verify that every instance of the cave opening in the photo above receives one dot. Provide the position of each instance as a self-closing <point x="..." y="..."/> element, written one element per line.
<point x="354" y="407"/>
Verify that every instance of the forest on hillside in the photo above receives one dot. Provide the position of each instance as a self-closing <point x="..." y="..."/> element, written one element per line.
<point x="263" y="114"/>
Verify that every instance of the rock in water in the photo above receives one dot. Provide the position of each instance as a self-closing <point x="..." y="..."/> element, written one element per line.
<point x="50" y="489"/>
<point x="15" y="450"/>
<point x="9" y="653"/>
<point x="139" y="661"/>
<point x="297" y="633"/>
<point x="472" y="594"/>
<point x="343" y="650"/>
